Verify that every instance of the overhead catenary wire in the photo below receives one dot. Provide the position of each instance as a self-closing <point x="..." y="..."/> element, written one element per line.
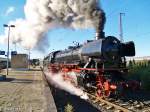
<point x="117" y="9"/>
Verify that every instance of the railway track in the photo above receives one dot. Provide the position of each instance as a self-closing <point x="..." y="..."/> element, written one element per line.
<point x="106" y="105"/>
<point x="113" y="105"/>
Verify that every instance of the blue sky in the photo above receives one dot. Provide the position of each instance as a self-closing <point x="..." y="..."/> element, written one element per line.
<point x="136" y="25"/>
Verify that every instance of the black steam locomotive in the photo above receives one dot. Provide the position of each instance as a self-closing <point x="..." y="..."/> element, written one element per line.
<point x="100" y="63"/>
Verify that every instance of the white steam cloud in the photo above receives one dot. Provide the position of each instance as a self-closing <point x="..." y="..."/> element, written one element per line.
<point x="58" y="81"/>
<point x="43" y="15"/>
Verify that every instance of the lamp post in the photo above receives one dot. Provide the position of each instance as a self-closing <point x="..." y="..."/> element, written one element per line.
<point x="29" y="59"/>
<point x="9" y="26"/>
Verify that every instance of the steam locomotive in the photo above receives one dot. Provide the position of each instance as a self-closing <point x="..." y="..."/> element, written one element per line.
<point x="99" y="65"/>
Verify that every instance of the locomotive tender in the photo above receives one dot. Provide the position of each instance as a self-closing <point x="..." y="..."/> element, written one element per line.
<point x="100" y="64"/>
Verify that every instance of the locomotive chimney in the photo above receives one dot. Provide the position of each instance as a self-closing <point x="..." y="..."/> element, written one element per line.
<point x="100" y="35"/>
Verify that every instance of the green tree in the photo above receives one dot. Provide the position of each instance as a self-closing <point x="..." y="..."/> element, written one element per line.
<point x="130" y="64"/>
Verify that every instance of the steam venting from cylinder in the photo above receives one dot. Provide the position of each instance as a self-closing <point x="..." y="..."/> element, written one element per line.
<point x="44" y="15"/>
<point x="57" y="81"/>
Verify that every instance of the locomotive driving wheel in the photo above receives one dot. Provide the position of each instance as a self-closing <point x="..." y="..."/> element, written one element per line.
<point x="103" y="87"/>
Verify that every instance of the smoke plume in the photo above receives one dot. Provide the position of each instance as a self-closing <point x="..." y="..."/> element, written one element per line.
<point x="43" y="15"/>
<point x="58" y="81"/>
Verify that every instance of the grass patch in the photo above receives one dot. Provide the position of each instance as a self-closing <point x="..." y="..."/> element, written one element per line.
<point x="140" y="71"/>
<point x="69" y="108"/>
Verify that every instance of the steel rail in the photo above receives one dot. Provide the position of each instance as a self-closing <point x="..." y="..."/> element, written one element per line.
<point x="118" y="107"/>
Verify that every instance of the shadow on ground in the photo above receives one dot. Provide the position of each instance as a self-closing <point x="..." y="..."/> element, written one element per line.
<point x="14" y="80"/>
<point x="139" y="95"/>
<point x="7" y="80"/>
<point x="22" y="81"/>
<point x="62" y="98"/>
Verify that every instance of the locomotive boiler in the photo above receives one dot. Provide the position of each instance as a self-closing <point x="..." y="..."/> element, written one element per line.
<point x="100" y="64"/>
